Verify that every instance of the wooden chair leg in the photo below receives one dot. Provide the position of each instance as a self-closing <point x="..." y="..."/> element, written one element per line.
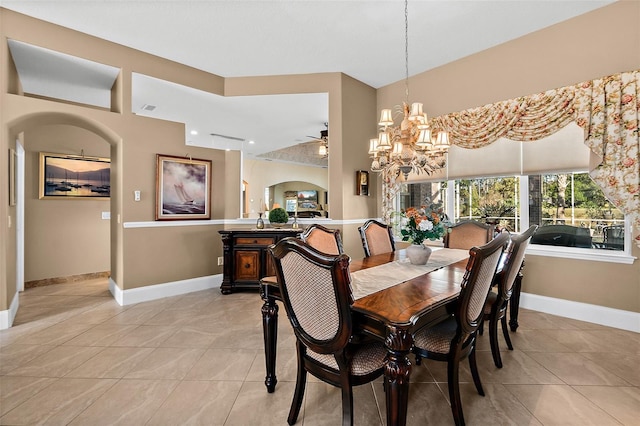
<point x="298" y="394"/>
<point x="505" y="332"/>
<point x="473" y="366"/>
<point x="347" y="406"/>
<point x="454" y="391"/>
<point x="493" y="338"/>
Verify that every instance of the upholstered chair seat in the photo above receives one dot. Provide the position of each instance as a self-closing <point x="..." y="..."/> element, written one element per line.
<point x="366" y="359"/>
<point x="438" y="338"/>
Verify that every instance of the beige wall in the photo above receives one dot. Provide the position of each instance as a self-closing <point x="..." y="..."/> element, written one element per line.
<point x="600" y="43"/>
<point x="63" y="237"/>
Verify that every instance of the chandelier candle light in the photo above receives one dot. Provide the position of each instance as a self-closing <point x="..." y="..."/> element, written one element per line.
<point x="409" y="147"/>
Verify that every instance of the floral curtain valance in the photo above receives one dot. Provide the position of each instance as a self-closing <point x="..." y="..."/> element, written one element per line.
<point x="608" y="109"/>
<point x="527" y="118"/>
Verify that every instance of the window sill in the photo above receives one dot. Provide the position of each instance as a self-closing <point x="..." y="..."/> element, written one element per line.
<point x="581" y="254"/>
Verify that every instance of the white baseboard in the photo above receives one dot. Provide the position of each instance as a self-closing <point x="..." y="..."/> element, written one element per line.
<point x="158" y="291"/>
<point x="7" y="316"/>
<point x="617" y="318"/>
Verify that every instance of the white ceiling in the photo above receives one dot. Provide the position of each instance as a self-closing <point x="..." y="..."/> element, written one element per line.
<point x="361" y="38"/>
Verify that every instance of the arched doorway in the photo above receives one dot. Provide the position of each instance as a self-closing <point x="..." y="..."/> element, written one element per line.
<point x="37" y="126"/>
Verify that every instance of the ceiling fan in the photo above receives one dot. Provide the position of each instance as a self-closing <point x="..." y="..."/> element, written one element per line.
<point x="323" y="149"/>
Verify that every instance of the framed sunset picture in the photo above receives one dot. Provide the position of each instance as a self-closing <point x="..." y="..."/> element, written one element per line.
<point x="69" y="177"/>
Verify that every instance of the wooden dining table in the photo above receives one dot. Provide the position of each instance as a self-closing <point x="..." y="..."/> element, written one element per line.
<point x="391" y="314"/>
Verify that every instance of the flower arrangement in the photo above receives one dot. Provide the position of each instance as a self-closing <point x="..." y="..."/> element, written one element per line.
<point x="425" y="223"/>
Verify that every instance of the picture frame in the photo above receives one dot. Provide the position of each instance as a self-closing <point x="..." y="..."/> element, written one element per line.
<point x="362" y="182"/>
<point x="12" y="176"/>
<point x="74" y="177"/>
<point x="183" y="188"/>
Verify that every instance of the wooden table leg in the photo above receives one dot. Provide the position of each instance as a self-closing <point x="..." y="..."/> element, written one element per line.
<point x="514" y="302"/>
<point x="270" y="332"/>
<point x="397" y="370"/>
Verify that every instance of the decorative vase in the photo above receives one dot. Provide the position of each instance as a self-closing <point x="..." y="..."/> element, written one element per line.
<point x="260" y="222"/>
<point x="418" y="254"/>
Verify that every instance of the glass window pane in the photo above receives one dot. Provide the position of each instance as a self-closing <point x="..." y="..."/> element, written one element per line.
<point x="572" y="211"/>
<point x="420" y="194"/>
<point x="493" y="200"/>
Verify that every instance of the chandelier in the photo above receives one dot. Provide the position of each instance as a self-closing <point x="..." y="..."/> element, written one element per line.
<point x="409" y="147"/>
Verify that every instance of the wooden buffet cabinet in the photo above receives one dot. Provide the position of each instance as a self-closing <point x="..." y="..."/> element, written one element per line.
<point x="246" y="259"/>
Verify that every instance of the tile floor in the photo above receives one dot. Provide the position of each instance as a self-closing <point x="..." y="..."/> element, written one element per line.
<point x="75" y="357"/>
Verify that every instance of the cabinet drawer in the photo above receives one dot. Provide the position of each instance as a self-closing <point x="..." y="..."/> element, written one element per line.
<point x="262" y="241"/>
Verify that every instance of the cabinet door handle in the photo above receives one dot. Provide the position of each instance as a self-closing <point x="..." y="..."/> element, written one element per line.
<point x="255" y="241"/>
<point x="247" y="265"/>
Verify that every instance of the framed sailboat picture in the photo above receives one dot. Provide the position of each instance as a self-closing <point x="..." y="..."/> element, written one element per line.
<point x="183" y="188"/>
<point x="73" y="177"/>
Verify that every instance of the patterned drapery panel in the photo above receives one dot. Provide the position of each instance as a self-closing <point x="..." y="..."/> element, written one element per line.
<point x="607" y="108"/>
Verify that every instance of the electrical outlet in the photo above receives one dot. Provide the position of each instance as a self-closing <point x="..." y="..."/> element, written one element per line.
<point x="220" y="261"/>
<point x="136" y="195"/>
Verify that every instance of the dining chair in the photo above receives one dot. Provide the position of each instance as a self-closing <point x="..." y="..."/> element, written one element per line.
<point x="316" y="293"/>
<point x="455" y="338"/>
<point x="467" y="234"/>
<point x="495" y="308"/>
<point x="326" y="240"/>
<point x="377" y="238"/>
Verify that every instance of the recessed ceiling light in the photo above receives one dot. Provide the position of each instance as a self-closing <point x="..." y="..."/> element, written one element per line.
<point x="194" y="132"/>
<point x="228" y="149"/>
<point x="251" y="142"/>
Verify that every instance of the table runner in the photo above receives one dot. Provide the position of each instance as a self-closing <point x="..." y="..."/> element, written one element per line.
<point x="370" y="280"/>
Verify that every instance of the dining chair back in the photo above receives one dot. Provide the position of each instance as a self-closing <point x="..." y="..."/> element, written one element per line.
<point x="316" y="294"/>
<point x="467" y="234"/>
<point x="454" y="338"/>
<point x="326" y="240"/>
<point x="495" y="309"/>
<point x="377" y="238"/>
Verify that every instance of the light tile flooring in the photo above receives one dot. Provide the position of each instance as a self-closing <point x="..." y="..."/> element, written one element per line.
<point x="75" y="357"/>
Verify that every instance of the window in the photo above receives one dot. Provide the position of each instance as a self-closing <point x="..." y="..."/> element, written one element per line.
<point x="494" y="200"/>
<point x="570" y="209"/>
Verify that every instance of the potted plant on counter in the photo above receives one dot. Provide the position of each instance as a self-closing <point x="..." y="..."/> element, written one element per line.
<point x="278" y="217"/>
